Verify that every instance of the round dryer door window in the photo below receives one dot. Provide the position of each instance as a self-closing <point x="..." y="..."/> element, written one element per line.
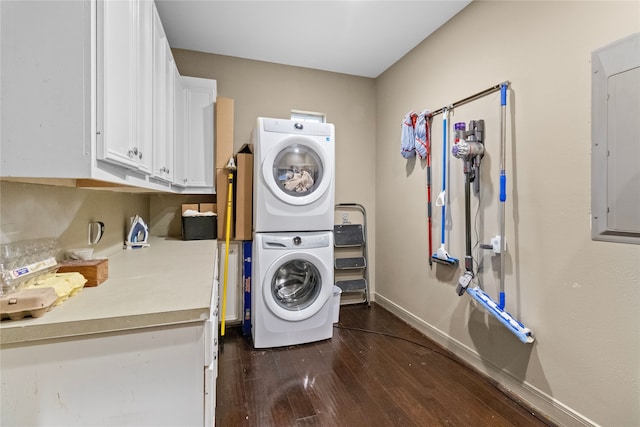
<point x="296" y="284"/>
<point x="297" y="172"/>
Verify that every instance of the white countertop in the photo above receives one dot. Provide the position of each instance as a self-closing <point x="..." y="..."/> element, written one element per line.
<point x="168" y="283"/>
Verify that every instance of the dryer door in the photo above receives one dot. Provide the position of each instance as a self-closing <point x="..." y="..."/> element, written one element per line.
<point x="296" y="286"/>
<point x="297" y="170"/>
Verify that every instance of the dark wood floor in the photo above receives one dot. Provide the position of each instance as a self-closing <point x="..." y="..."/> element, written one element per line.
<point x="357" y="378"/>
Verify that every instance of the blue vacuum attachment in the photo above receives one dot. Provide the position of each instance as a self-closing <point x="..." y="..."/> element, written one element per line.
<point x="524" y="334"/>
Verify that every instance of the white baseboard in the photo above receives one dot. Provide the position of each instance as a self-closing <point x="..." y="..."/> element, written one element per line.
<point x="536" y="398"/>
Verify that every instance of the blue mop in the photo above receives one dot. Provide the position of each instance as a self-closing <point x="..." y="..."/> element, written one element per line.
<point x="441" y="256"/>
<point x="496" y="309"/>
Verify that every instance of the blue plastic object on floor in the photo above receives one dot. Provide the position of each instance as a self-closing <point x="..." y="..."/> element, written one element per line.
<point x="524" y="334"/>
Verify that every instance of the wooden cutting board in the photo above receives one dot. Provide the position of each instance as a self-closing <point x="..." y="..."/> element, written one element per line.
<point x="96" y="271"/>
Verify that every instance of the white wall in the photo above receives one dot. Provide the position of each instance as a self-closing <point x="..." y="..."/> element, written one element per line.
<point x="581" y="298"/>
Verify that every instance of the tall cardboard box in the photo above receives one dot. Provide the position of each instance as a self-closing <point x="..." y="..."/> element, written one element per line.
<point x="224" y="150"/>
<point x="244" y="193"/>
<point x="224" y="131"/>
<point x="222" y="186"/>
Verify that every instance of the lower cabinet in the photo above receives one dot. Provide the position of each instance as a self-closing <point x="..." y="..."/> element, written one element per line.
<point x="235" y="294"/>
<point x="161" y="376"/>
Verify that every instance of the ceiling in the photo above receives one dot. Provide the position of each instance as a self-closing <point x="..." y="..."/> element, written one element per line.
<point x="358" y="37"/>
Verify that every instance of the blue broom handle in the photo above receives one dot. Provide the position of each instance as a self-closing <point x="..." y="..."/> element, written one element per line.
<point x="444" y="171"/>
<point x="503" y="176"/>
<point x="503" y="186"/>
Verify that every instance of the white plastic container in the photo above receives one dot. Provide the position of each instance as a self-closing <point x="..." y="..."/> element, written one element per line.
<point x="336" y="303"/>
<point x="80" y="253"/>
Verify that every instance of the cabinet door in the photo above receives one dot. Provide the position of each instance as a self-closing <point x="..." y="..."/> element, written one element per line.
<point x="201" y="98"/>
<point x="144" y="85"/>
<point x="179" y="141"/>
<point x="211" y="356"/>
<point x="124" y="83"/>
<point x="46" y="74"/>
<point x="141" y="377"/>
<point x="197" y="149"/>
<point x="162" y="103"/>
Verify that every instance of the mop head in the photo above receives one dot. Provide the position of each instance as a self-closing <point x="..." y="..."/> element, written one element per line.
<point x="524" y="334"/>
<point x="231" y="165"/>
<point x="442" y="257"/>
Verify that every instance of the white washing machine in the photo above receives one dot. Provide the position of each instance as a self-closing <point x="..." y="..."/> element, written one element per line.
<point x="294" y="164"/>
<point x="291" y="298"/>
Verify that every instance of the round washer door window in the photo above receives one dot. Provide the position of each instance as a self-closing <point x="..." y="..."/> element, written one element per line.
<point x="296" y="284"/>
<point x="296" y="171"/>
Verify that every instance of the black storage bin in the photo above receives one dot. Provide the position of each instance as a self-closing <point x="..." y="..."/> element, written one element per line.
<point x="199" y="227"/>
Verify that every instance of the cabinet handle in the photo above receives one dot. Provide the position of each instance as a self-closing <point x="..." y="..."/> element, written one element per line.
<point x="140" y="155"/>
<point x="133" y="152"/>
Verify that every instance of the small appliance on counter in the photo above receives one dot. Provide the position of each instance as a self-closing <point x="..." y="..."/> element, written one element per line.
<point x="138" y="234"/>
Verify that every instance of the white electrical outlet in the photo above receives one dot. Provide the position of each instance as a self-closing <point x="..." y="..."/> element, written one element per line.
<point x="495" y="242"/>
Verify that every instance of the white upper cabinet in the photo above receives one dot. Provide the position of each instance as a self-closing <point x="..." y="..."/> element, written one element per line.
<point x="179" y="130"/>
<point x="194" y="133"/>
<point x="163" y="76"/>
<point x="144" y="74"/>
<point x="87" y="93"/>
<point x="124" y="121"/>
<point x="47" y="78"/>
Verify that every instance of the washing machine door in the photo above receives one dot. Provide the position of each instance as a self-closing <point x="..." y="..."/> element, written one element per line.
<point x="295" y="286"/>
<point x="297" y="170"/>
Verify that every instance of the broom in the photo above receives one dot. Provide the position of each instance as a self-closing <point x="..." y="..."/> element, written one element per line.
<point x="231" y="167"/>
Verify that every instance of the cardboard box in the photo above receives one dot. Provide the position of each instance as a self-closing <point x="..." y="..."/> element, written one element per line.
<point x="244" y="193"/>
<point x="224" y="131"/>
<point x="190" y="206"/>
<point x="222" y="185"/>
<point x="207" y="207"/>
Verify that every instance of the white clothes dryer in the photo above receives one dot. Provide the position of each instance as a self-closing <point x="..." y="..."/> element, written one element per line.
<point x="292" y="288"/>
<point x="294" y="164"/>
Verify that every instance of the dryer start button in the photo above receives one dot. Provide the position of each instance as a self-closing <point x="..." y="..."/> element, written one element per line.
<point x="297" y="240"/>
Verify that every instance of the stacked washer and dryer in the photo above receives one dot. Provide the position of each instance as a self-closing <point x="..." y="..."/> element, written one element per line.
<point x="294" y="194"/>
